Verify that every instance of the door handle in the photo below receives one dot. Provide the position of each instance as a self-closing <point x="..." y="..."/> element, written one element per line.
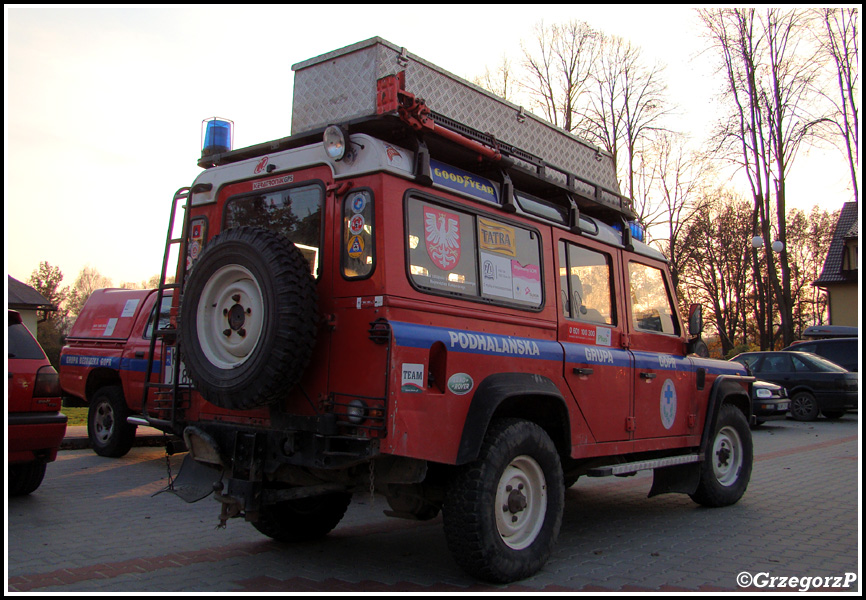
<point x="139" y="355"/>
<point x="581" y="371"/>
<point x="647" y="376"/>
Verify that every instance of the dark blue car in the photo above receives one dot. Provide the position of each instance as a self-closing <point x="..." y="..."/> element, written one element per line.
<point x="815" y="385"/>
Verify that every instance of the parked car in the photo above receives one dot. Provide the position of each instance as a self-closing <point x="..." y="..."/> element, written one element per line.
<point x="842" y="351"/>
<point x="815" y="385"/>
<point x="35" y="424"/>
<point x="769" y="401"/>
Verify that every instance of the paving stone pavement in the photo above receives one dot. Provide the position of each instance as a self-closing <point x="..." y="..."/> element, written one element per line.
<point x="95" y="525"/>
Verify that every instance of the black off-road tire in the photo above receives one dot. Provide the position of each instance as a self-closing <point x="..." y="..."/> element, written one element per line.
<point x="25" y="478"/>
<point x="804" y="407"/>
<point x="726" y="472"/>
<point x="303" y="519"/>
<point x="503" y="511"/>
<point x="107" y="429"/>
<point x="249" y="318"/>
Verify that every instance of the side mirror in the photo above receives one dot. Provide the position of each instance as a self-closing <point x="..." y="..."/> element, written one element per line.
<point x="696" y="319"/>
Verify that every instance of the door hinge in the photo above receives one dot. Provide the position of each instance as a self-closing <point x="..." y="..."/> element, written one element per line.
<point x="630" y="424"/>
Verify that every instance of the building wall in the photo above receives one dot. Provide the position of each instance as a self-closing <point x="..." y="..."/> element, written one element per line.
<point x="843" y="304"/>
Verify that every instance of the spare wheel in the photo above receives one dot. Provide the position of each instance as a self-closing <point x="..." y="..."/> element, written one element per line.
<point x="249" y="318"/>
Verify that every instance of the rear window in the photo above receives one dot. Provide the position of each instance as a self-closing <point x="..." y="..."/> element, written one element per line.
<point x="295" y="213"/>
<point x="22" y="344"/>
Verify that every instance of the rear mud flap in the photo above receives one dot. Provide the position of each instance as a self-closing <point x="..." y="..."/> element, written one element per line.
<point x="195" y="480"/>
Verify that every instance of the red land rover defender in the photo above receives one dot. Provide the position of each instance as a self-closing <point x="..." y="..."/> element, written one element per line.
<point x="394" y="300"/>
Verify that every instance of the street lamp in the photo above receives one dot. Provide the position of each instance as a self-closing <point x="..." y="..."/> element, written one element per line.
<point x="758" y="241"/>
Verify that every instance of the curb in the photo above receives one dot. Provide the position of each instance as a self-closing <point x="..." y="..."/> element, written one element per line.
<point x="76" y="438"/>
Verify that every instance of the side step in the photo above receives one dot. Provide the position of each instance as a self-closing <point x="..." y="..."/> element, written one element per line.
<point x="643" y="465"/>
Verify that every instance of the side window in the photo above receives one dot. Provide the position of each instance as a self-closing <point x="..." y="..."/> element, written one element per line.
<point x="651" y="306"/>
<point x="777" y="363"/>
<point x="163" y="317"/>
<point x="295" y="213"/>
<point x="358" y="257"/>
<point x="585" y="284"/>
<point x="800" y="365"/>
<point x="454" y="252"/>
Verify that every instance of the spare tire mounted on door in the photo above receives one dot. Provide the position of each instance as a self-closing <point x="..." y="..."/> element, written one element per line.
<point x="249" y="318"/>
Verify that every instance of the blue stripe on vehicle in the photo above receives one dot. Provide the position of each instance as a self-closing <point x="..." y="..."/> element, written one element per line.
<point x="133" y="365"/>
<point x="411" y="335"/>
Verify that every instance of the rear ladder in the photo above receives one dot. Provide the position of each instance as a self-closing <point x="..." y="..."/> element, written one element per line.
<point x="171" y="397"/>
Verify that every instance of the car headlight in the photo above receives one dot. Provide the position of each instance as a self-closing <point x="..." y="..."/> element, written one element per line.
<point x="763" y="393"/>
<point x="356" y="412"/>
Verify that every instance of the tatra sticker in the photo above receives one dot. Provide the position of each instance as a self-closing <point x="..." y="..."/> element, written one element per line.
<point x="413" y="378"/>
<point x="460" y="383"/>
<point x="668" y="404"/>
<point x="442" y="234"/>
<point x="496" y="237"/>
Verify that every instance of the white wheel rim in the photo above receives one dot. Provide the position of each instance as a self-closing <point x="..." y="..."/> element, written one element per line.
<point x="521" y="502"/>
<point x="230" y="316"/>
<point x="727" y="456"/>
<point x="103" y="422"/>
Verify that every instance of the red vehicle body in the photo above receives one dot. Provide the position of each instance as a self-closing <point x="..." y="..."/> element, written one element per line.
<point x="104" y="361"/>
<point x="426" y="319"/>
<point x="35" y="425"/>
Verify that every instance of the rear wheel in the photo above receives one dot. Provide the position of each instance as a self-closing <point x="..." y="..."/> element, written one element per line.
<point x="727" y="469"/>
<point x="109" y="433"/>
<point x="503" y="511"/>
<point x="303" y="519"/>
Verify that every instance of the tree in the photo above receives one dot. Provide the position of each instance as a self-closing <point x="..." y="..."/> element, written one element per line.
<point x="558" y="69"/>
<point x="627" y="104"/>
<point x="810" y="236"/>
<point x="716" y="272"/>
<point x="770" y="77"/>
<point x="837" y="36"/>
<point x="46" y="280"/>
<point x="501" y="81"/>
<point x="51" y="329"/>
<point x="88" y="281"/>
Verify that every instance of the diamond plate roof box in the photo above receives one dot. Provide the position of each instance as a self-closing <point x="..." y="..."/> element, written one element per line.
<point x="340" y="86"/>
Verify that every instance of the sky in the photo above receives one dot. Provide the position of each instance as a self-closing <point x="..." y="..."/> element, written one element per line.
<point x="104" y="106"/>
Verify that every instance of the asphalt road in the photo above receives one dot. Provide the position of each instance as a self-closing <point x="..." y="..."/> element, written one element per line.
<point x="95" y="525"/>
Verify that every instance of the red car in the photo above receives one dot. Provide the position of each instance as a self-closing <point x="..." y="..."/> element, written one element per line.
<point x="35" y="424"/>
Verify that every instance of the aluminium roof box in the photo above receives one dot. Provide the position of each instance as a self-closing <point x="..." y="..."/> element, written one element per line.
<point x="340" y="86"/>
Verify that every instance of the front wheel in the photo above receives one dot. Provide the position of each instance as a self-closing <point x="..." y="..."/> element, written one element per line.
<point x="727" y="467"/>
<point x="502" y="512"/>
<point x="109" y="433"/>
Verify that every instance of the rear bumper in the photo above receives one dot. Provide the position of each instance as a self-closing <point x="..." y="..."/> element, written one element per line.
<point x="35" y="436"/>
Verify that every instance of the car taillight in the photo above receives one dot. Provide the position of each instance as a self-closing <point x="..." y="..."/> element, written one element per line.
<point x="47" y="383"/>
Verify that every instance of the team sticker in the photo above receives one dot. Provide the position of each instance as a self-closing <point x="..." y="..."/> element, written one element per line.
<point x="413" y="382"/>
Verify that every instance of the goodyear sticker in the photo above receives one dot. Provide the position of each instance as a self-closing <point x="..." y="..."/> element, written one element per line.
<point x="356" y="246"/>
<point x="412" y="378"/>
<point x="463" y="181"/>
<point x="668" y="404"/>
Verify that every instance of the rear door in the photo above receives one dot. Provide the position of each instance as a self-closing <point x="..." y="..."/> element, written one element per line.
<point x="597" y="367"/>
